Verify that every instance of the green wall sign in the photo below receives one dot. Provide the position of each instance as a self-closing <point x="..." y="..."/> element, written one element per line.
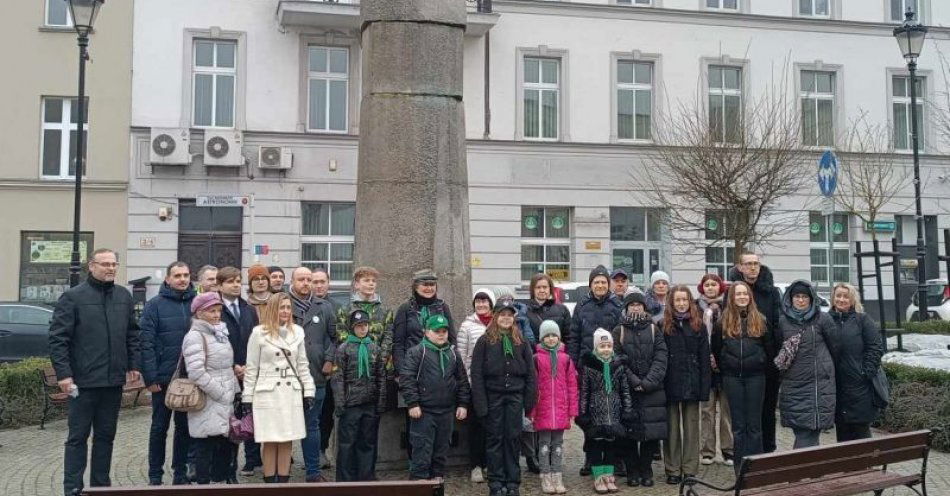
<point x="881" y="226"/>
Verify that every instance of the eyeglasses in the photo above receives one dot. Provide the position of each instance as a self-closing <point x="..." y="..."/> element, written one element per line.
<point x="107" y="265"/>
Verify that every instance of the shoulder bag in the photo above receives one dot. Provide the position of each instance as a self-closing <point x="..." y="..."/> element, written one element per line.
<point x="182" y="394"/>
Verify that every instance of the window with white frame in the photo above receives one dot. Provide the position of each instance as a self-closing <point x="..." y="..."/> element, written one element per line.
<point x="546" y="242"/>
<point x="328" y="88"/>
<point x="840" y="250"/>
<point x="634" y="99"/>
<point x="725" y="103"/>
<point x="721" y="254"/>
<point x="818" y="108"/>
<point x="636" y="241"/>
<point x="327" y="238"/>
<point x="900" y="103"/>
<point x="60" y="129"/>
<point x="722" y="4"/>
<point x="813" y="8"/>
<point x="541" y="97"/>
<point x="57" y="13"/>
<point x="899" y="7"/>
<point x="214" y="82"/>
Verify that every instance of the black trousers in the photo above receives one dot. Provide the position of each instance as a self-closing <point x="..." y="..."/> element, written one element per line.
<point x="851" y="432"/>
<point x="745" y="406"/>
<point x="769" y="404"/>
<point x="529" y="447"/>
<point x="638" y="457"/>
<point x="601" y="451"/>
<point x="358" y="429"/>
<point x="213" y="459"/>
<point x="503" y="439"/>
<point x="429" y="437"/>
<point x="95" y="410"/>
<point x="476" y="441"/>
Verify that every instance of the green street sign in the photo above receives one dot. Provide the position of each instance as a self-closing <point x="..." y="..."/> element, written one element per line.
<point x="881" y="226"/>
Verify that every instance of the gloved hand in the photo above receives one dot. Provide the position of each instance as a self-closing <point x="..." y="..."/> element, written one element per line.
<point x="308" y="403"/>
<point x="246" y="408"/>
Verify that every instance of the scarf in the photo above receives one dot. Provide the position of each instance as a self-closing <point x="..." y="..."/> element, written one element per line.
<point x="362" y="355"/>
<point x="484" y="319"/>
<point x="441" y="350"/>
<point x="553" y="353"/>
<point x="219" y="330"/>
<point x="800" y="316"/>
<point x="254" y="300"/>
<point x="507" y="344"/>
<point x="300" y="304"/>
<point x="681" y="315"/>
<point x="423" y="304"/>
<point x="608" y="381"/>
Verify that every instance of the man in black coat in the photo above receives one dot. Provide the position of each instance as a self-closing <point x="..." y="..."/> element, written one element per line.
<point x="94" y="348"/>
<point x="768" y="301"/>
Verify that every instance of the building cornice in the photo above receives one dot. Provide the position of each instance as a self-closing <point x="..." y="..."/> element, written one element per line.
<point x="703" y="17"/>
<point x="66" y="185"/>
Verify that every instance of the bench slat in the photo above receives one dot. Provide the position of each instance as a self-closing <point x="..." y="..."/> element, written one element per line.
<point x="846" y="484"/>
<point x="376" y="488"/>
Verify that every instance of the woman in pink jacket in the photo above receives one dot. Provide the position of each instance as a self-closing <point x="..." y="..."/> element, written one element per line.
<point x="556" y="406"/>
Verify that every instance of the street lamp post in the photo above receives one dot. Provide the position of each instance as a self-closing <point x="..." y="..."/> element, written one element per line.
<point x="910" y="38"/>
<point x="83" y="14"/>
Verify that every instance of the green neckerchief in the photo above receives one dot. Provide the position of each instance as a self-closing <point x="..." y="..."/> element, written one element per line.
<point x="441" y="350"/>
<point x="362" y="362"/>
<point x="506" y="343"/>
<point x="553" y="353"/>
<point x="608" y="382"/>
<point x="423" y="315"/>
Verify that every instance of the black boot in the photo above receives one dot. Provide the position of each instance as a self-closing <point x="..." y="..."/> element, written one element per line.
<point x="585" y="470"/>
<point x="283" y="479"/>
<point x="270" y="479"/>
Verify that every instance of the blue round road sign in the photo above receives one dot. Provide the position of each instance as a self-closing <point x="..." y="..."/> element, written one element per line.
<point x="828" y="173"/>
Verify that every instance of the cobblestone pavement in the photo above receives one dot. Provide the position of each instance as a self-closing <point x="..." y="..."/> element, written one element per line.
<point x="31" y="463"/>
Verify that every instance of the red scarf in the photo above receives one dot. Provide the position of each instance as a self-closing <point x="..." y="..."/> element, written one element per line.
<point x="486" y="319"/>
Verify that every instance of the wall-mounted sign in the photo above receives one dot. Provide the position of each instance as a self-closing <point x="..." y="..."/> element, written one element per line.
<point x="881" y="226"/>
<point x="221" y="201"/>
<point x="592" y="245"/>
<point x="147" y="242"/>
<point x="55" y="252"/>
<point x="531" y="222"/>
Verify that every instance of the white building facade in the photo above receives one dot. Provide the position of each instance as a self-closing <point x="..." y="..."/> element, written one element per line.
<point x="260" y="100"/>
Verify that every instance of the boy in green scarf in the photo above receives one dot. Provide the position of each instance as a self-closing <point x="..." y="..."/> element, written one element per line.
<point x="359" y="387"/>
<point x="435" y="386"/>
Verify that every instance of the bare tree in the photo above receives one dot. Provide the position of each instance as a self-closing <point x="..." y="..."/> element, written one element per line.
<point x="736" y="166"/>
<point x="870" y="176"/>
<point x="940" y="107"/>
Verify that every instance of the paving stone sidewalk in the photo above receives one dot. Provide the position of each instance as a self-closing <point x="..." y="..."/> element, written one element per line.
<point x="31" y="464"/>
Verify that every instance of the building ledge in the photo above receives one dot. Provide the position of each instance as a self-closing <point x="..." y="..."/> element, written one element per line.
<point x="345" y="14"/>
<point x="66" y="184"/>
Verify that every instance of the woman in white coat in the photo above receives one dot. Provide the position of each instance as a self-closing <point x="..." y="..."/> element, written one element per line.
<point x="209" y="361"/>
<point x="277" y="385"/>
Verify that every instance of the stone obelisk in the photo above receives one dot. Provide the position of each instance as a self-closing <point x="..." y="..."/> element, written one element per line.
<point x="412" y="178"/>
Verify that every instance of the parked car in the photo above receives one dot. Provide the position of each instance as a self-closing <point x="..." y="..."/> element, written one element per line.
<point x="24" y="331"/>
<point x="824" y="299"/>
<point x="938" y="301"/>
<point x="570" y="293"/>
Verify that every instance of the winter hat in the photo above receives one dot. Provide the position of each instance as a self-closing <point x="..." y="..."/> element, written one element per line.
<point x="205" y="301"/>
<point x="798" y="289"/>
<point x="503" y="292"/>
<point x="257" y="270"/>
<point x="715" y="277"/>
<point x="424" y="275"/>
<point x="601" y="335"/>
<point x="549" y="327"/>
<point x="600" y="270"/>
<point x="436" y="322"/>
<point x="659" y="276"/>
<point x="358" y="317"/>
<point x="634" y="298"/>
<point x="619" y="273"/>
<point x="503" y="305"/>
<point x="485" y="294"/>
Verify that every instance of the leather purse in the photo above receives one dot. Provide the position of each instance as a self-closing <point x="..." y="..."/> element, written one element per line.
<point x="182" y="394"/>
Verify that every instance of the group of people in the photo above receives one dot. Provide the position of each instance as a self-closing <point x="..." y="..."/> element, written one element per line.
<point x="633" y="369"/>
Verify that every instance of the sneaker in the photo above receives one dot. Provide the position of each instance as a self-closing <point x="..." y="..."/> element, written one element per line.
<point x="600" y="485"/>
<point x="612" y="485"/>
<point x="247" y="470"/>
<point x="646" y="482"/>
<point x="673" y="479"/>
<point x="477" y="476"/>
<point x="707" y="460"/>
<point x="316" y="478"/>
<point x="728" y="462"/>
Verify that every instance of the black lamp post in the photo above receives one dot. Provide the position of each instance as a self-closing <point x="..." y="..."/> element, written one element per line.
<point x="910" y="38"/>
<point x="83" y="13"/>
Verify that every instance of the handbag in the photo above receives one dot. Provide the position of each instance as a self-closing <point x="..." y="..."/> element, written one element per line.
<point x="882" y="389"/>
<point x="241" y="429"/>
<point x="182" y="394"/>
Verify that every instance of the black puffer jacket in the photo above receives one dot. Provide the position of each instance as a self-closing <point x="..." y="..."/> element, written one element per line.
<point x="742" y="356"/>
<point x="768" y="299"/>
<point x="424" y="384"/>
<point x="856" y="347"/>
<point x="688" y="372"/>
<point x="408" y="326"/>
<point x="641" y="345"/>
<point x="589" y="315"/>
<point x="807" y="397"/>
<point x="163" y="324"/>
<point x="93" y="337"/>
<point x="349" y="389"/>
<point x="603" y="415"/>
<point x="549" y="310"/>
<point x="493" y="372"/>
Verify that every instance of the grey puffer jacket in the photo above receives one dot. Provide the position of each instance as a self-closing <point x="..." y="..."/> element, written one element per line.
<point x="807" y="398"/>
<point x="213" y="372"/>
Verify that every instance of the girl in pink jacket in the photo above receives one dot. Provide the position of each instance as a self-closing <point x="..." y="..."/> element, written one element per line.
<point x="556" y="405"/>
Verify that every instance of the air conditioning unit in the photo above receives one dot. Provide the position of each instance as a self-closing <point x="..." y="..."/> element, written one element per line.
<point x="223" y="148"/>
<point x="275" y="157"/>
<point x="169" y="146"/>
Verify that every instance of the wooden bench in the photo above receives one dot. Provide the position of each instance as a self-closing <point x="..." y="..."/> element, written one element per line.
<point x="53" y="397"/>
<point x="840" y="469"/>
<point x="376" y="488"/>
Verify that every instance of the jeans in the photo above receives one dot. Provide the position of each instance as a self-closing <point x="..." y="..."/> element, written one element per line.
<point x="805" y="438"/>
<point x="95" y="410"/>
<point x="550" y="451"/>
<point x="326" y="418"/>
<point x="429" y="437"/>
<point x="638" y="457"/>
<point x="310" y="445"/>
<point x="503" y="436"/>
<point x="358" y="428"/>
<point x="213" y="458"/>
<point x="851" y="432"/>
<point x="158" y="435"/>
<point x="745" y="404"/>
<point x="769" y="404"/>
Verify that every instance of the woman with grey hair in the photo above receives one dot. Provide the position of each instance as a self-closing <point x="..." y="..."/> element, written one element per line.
<point x="856" y="347"/>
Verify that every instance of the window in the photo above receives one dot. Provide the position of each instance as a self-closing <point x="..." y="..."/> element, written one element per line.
<point x="214" y="83"/>
<point x="541" y="95"/>
<point x="327" y="238"/>
<point x="813" y="8"/>
<point x="44" y="263"/>
<point x="60" y="128"/>
<point x="900" y="101"/>
<point x="635" y="2"/>
<point x="839" y="250"/>
<point x="328" y="88"/>
<point x="636" y="241"/>
<point x="898" y="7"/>
<point x="722" y="4"/>
<point x="725" y="103"/>
<point x="57" y="13"/>
<point x="818" y="107"/>
<point x="635" y="224"/>
<point x="634" y="99"/>
<point x="720" y="226"/>
<point x="546" y="242"/>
